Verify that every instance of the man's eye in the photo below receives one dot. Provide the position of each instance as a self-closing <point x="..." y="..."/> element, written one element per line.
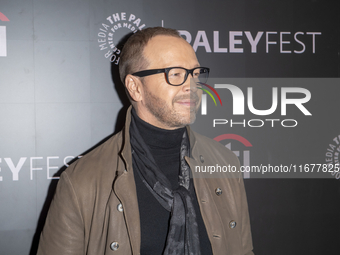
<point x="176" y="74"/>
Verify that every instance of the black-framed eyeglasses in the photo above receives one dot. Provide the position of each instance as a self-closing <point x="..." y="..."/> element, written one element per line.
<point x="176" y="76"/>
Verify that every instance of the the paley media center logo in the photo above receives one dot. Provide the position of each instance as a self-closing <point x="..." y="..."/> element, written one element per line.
<point x="113" y="29"/>
<point x="272" y="106"/>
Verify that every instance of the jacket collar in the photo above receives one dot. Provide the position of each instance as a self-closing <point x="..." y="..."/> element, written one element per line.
<point x="125" y="188"/>
<point x="126" y="145"/>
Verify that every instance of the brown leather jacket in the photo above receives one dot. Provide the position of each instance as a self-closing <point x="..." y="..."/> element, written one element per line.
<point x="95" y="211"/>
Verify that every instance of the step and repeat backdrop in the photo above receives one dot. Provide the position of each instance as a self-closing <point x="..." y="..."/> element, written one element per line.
<point x="275" y="68"/>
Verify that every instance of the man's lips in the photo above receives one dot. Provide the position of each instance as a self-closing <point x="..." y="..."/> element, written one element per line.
<point x="187" y="102"/>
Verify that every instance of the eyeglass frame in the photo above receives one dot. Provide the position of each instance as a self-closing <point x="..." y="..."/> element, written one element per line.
<point x="167" y="70"/>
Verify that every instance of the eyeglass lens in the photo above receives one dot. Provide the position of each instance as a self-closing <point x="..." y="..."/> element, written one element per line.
<point x="177" y="76"/>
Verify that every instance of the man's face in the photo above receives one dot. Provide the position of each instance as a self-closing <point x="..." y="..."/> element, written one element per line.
<point x="163" y="105"/>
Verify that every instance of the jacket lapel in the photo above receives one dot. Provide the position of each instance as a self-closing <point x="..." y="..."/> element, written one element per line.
<point x="125" y="189"/>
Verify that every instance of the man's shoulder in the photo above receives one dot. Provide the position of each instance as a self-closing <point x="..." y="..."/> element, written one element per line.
<point x="98" y="164"/>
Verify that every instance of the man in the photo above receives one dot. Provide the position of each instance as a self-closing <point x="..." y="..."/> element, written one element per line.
<point x="133" y="194"/>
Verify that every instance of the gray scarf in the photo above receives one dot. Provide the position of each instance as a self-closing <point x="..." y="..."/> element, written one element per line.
<point x="183" y="238"/>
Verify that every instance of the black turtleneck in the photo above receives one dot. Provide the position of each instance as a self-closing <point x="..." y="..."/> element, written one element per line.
<point x="154" y="219"/>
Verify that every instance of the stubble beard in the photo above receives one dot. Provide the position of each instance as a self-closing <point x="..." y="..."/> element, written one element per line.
<point x="169" y="116"/>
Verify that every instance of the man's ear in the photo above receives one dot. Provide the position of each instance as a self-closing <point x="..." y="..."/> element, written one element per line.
<point x="134" y="87"/>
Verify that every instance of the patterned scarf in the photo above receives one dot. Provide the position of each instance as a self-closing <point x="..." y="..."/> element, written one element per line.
<point x="183" y="238"/>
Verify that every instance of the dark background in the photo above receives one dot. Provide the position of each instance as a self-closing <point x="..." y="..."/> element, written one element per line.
<point x="60" y="96"/>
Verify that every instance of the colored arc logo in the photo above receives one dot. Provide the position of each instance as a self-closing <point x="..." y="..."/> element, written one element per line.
<point x="207" y="91"/>
<point x="3" y="17"/>
<point x="239" y="138"/>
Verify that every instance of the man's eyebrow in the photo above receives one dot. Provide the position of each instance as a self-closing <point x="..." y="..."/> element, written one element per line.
<point x="197" y="65"/>
<point x="170" y="66"/>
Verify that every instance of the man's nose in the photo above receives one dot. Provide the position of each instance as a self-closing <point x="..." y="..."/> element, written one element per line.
<point x="190" y="84"/>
